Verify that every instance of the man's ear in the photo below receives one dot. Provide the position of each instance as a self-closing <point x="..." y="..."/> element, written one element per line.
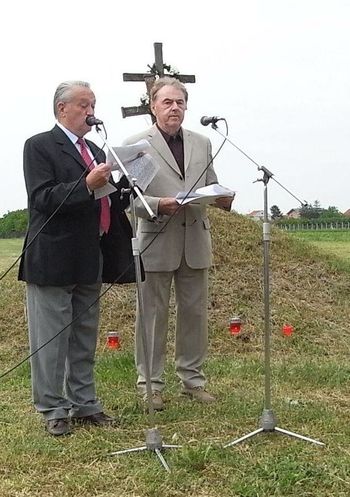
<point x="60" y="108"/>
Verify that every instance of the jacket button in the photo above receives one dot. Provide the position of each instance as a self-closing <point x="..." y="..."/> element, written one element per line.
<point x="183" y="224"/>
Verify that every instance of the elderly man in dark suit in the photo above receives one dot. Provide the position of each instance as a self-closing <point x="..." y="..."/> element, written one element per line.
<point x="73" y="243"/>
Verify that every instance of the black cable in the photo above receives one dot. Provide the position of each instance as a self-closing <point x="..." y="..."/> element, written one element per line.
<point x="69" y="193"/>
<point x="67" y="326"/>
<point x="188" y="193"/>
<point x="115" y="281"/>
<point x="260" y="168"/>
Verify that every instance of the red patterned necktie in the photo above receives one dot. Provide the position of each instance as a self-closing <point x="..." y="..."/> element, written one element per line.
<point x="105" y="215"/>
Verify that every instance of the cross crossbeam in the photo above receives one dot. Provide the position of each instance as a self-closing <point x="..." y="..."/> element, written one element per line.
<point x="149" y="78"/>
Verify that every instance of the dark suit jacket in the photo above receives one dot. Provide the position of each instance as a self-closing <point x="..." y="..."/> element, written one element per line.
<point x="67" y="249"/>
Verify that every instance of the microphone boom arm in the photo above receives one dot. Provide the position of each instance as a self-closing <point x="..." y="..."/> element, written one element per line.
<point x="267" y="174"/>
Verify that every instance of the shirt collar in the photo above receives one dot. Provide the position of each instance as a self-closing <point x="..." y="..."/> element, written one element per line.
<point x="168" y="137"/>
<point x="73" y="138"/>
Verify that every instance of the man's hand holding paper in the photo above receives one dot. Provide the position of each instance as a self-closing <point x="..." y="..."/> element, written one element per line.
<point x="224" y="202"/>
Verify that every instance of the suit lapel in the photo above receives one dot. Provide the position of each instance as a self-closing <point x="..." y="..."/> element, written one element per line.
<point x="67" y="146"/>
<point x="187" y="147"/>
<point x="97" y="152"/>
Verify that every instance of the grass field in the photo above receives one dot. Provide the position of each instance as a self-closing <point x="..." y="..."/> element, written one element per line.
<point x="310" y="388"/>
<point x="333" y="242"/>
<point x="9" y="251"/>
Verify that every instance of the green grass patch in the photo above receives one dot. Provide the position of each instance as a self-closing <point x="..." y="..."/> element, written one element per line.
<point x="323" y="235"/>
<point x="309" y="386"/>
<point x="10" y="249"/>
<point x="332" y="243"/>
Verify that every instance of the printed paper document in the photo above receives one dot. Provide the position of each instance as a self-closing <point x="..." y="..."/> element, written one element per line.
<point x="137" y="162"/>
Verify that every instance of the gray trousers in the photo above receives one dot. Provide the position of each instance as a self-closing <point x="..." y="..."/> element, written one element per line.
<point x="191" y="289"/>
<point x="62" y="371"/>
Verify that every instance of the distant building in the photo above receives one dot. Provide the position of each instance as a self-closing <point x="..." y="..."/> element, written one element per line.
<point x="347" y="213"/>
<point x="256" y="215"/>
<point x="293" y="213"/>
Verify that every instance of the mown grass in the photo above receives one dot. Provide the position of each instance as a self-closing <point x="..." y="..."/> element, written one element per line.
<point x="9" y="251"/>
<point x="333" y="242"/>
<point x="310" y="388"/>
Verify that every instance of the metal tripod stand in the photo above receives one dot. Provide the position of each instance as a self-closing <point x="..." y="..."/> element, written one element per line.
<point x="154" y="441"/>
<point x="268" y="420"/>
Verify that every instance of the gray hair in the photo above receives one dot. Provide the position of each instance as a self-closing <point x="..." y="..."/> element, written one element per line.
<point x="63" y="92"/>
<point x="167" y="81"/>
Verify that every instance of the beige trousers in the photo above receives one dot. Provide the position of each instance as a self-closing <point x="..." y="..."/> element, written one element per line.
<point x="191" y="342"/>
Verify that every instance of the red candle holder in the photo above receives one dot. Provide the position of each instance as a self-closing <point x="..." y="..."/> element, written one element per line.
<point x="235" y="325"/>
<point x="113" y="341"/>
<point x="287" y="330"/>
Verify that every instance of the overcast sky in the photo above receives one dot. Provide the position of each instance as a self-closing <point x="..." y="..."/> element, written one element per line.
<point x="277" y="70"/>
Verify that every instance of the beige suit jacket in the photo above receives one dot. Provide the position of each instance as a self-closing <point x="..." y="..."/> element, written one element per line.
<point x="187" y="233"/>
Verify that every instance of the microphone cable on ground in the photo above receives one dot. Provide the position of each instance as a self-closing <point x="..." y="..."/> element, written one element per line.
<point x="2" y="375"/>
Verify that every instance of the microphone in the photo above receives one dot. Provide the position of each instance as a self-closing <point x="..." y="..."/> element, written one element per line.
<point x="205" y="120"/>
<point x="93" y="121"/>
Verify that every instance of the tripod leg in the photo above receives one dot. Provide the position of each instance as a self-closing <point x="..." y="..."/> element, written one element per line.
<point x="162" y="460"/>
<point x="126" y="451"/>
<point x="245" y="437"/>
<point x="296" y="435"/>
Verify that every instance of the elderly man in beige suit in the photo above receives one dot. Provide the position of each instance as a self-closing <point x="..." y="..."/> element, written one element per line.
<point x="177" y="248"/>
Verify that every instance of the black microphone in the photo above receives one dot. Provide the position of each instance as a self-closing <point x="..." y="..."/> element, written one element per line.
<point x="93" y="121"/>
<point x="205" y="120"/>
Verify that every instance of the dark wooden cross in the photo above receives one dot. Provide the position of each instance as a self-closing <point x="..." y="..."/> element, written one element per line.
<point x="149" y="78"/>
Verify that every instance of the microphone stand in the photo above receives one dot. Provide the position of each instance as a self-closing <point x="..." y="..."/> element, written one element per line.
<point x="268" y="420"/>
<point x="154" y="441"/>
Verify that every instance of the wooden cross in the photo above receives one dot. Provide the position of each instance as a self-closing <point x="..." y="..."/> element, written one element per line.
<point x="149" y="78"/>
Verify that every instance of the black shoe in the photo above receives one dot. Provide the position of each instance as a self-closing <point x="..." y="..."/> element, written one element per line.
<point x="98" y="419"/>
<point x="58" y="427"/>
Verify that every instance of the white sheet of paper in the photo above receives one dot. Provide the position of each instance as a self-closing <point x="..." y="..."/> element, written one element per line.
<point x="137" y="162"/>
<point x="205" y="195"/>
<point x="215" y="189"/>
<point x="128" y="152"/>
<point x="104" y="190"/>
<point x="143" y="169"/>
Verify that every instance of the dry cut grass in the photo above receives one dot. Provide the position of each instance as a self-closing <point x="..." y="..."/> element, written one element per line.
<point x="310" y="388"/>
